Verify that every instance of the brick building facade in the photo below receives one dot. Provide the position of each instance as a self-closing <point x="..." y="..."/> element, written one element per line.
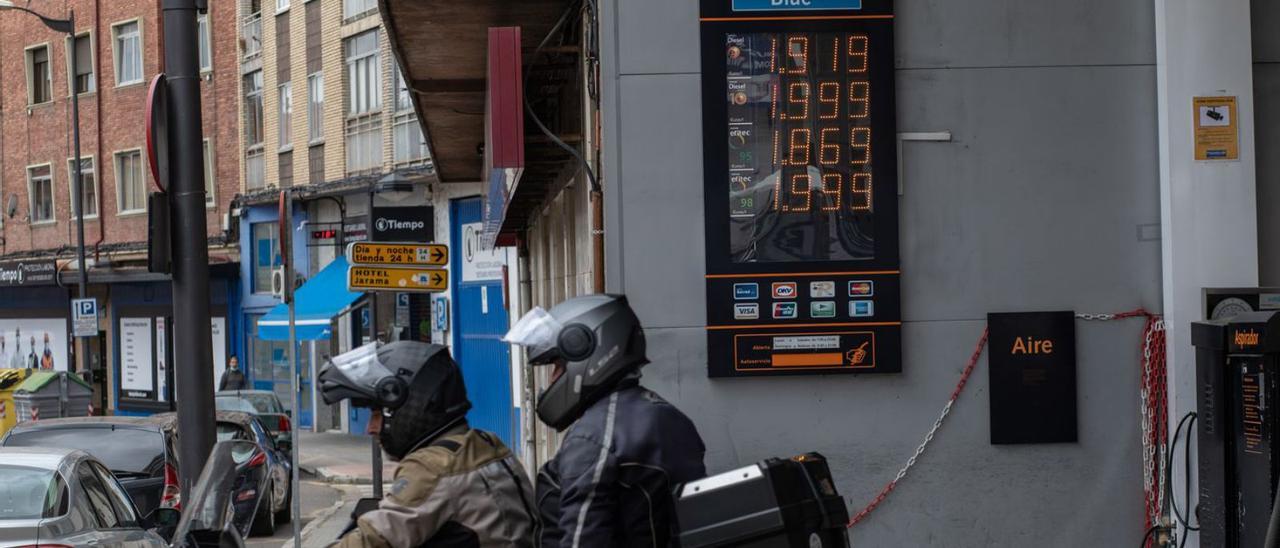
<point x="119" y="45"/>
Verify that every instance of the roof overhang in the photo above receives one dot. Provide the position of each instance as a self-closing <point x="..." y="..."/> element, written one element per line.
<point x="442" y="48"/>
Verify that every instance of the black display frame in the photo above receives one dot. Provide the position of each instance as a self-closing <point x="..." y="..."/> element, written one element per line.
<point x="875" y="20"/>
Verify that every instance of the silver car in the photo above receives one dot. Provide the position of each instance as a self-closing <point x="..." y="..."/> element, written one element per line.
<point x="52" y="497"/>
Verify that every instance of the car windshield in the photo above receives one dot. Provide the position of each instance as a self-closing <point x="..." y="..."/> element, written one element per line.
<point x="27" y="493"/>
<point x="249" y="403"/>
<point x="125" y="451"/>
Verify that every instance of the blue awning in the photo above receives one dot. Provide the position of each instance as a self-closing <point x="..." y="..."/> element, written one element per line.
<point x="324" y="296"/>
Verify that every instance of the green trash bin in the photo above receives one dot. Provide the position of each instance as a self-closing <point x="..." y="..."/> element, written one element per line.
<point x="52" y="394"/>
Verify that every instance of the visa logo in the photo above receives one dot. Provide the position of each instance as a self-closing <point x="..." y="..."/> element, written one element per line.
<point x="746" y="311"/>
<point x="784" y="290"/>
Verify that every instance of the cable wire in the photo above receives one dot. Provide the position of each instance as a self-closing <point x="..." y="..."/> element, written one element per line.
<point x="528" y="106"/>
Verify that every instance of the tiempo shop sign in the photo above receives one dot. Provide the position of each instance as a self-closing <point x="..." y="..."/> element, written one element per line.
<point x="403" y="224"/>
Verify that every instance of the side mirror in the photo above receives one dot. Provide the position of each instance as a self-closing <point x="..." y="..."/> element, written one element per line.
<point x="285" y="442"/>
<point x="230" y="538"/>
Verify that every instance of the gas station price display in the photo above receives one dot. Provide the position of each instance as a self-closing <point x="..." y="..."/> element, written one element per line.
<point x="800" y="175"/>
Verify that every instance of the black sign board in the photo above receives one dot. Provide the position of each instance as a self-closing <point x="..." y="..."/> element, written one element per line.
<point x="1033" y="377"/>
<point x="28" y="273"/>
<point x="403" y="224"/>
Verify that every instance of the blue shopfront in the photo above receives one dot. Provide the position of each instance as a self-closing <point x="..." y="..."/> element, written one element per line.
<point x="142" y="354"/>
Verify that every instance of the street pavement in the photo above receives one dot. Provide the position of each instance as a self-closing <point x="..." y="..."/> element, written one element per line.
<point x="317" y="498"/>
<point x="339" y="458"/>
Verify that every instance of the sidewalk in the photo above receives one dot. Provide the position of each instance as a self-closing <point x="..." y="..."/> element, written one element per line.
<point x="339" y="458"/>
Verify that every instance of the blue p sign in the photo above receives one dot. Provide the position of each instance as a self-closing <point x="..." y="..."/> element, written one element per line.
<point x="86" y="308"/>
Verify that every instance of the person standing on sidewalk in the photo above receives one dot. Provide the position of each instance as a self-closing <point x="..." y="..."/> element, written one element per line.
<point x="232" y="378"/>
<point x="610" y="483"/>
<point x="454" y="485"/>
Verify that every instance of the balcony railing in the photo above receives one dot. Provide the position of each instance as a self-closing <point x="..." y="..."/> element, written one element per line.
<point x="251" y="38"/>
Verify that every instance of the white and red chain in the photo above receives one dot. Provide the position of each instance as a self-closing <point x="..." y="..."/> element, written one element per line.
<point x="1152" y="407"/>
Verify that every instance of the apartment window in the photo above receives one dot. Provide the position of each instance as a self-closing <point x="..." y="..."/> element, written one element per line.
<point x="255" y="169"/>
<point x="266" y="255"/>
<point x="315" y="107"/>
<point x="253" y="108"/>
<point x="285" y="105"/>
<point x="82" y="77"/>
<point x="356" y="8"/>
<point x="130" y="184"/>
<point x="40" y="186"/>
<point x="88" y="187"/>
<point x="202" y="29"/>
<point x="408" y="144"/>
<point x="251" y="36"/>
<point x="364" y="74"/>
<point x="39" y="80"/>
<point x="282" y="5"/>
<point x="128" y="53"/>
<point x="209" y="186"/>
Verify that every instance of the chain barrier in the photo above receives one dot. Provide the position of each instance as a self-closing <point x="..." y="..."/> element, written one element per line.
<point x="1152" y="407"/>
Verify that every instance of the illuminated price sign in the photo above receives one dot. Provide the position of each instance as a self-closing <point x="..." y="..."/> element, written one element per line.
<point x="800" y="175"/>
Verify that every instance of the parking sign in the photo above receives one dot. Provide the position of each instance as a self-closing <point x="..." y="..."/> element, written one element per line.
<point x="84" y="317"/>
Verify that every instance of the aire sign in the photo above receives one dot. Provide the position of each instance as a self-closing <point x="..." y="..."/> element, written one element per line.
<point x="795" y="5"/>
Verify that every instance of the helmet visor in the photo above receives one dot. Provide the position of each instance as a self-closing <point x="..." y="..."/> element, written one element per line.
<point x="536" y="331"/>
<point x="358" y="370"/>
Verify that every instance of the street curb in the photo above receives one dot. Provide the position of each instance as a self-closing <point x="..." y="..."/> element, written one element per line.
<point x="317" y="519"/>
<point x="327" y="475"/>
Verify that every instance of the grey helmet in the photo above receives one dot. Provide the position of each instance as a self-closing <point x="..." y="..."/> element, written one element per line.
<point x="598" y="339"/>
<point x="416" y="386"/>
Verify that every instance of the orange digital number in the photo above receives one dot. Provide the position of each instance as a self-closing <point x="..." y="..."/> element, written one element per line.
<point x="859" y="99"/>
<point x="773" y="55"/>
<point x="800" y="141"/>
<point x="829" y="94"/>
<point x="797" y="92"/>
<point x="800" y="187"/>
<point x="832" y="192"/>
<point x="860" y="142"/>
<point x="829" y="149"/>
<point x="859" y="46"/>
<point x="797" y="55"/>
<point x="861" y="188"/>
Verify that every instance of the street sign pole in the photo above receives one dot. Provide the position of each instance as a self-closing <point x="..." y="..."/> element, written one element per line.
<point x="373" y="320"/>
<point x="191" y="330"/>
<point x="286" y="243"/>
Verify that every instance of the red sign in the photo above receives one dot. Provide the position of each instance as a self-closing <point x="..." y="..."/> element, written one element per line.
<point x="158" y="131"/>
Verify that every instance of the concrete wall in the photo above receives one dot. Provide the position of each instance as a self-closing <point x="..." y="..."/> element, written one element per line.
<point x="1045" y="200"/>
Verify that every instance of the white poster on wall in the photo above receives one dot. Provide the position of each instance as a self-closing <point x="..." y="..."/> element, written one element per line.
<point x="162" y="361"/>
<point x="137" y="369"/>
<point x="218" y="328"/>
<point x="35" y="343"/>
<point x="479" y="265"/>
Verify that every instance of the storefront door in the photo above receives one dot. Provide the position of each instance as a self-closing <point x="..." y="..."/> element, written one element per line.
<point x="268" y="369"/>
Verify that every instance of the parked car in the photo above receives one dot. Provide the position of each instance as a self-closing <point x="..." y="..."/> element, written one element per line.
<point x="266" y="405"/>
<point x="140" y="452"/>
<point x="65" y="497"/>
<point x="234" y="468"/>
<point x="272" y="505"/>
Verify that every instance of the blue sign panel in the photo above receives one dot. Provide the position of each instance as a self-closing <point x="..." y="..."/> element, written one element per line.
<point x="795" y="5"/>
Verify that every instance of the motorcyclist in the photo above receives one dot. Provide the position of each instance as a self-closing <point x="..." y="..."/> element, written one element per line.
<point x="626" y="447"/>
<point x="454" y="485"/>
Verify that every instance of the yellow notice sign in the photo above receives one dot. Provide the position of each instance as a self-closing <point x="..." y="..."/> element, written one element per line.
<point x="1217" y="134"/>
<point x="403" y="280"/>
<point x="398" y="254"/>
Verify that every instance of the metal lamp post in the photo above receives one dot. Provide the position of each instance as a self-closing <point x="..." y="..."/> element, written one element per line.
<point x="68" y="26"/>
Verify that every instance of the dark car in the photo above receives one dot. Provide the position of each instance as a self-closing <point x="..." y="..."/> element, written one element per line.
<point x="140" y="452"/>
<point x="266" y="405"/>
<point x="272" y="505"/>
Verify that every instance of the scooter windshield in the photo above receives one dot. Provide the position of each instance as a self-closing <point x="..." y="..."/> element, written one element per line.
<point x="210" y="508"/>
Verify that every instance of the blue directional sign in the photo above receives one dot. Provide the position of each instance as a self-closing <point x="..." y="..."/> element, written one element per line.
<point x="795" y="5"/>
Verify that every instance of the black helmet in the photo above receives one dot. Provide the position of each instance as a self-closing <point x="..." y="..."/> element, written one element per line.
<point x="598" y="339"/>
<point x="417" y="386"/>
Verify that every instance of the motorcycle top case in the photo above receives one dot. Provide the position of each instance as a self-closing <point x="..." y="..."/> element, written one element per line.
<point x="774" y="503"/>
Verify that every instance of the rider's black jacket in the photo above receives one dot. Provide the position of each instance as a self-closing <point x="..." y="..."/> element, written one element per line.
<point x="610" y="483"/>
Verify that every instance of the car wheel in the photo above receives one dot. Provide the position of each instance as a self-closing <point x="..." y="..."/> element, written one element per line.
<point x="264" y="523"/>
<point x="285" y="514"/>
